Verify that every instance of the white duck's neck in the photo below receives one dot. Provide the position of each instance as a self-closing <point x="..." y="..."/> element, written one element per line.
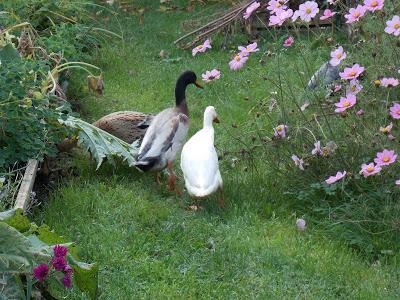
<point x="208" y="121"/>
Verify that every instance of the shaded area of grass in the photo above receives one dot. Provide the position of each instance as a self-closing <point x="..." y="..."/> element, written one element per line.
<point x="145" y="240"/>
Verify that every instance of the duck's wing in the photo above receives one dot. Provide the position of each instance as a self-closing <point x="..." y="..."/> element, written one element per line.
<point x="126" y="125"/>
<point x="160" y="139"/>
<point x="199" y="163"/>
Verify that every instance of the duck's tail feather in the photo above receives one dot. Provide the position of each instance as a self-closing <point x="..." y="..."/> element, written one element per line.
<point x="147" y="164"/>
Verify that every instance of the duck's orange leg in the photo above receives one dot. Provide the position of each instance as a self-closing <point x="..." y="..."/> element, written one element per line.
<point x="158" y="178"/>
<point x="172" y="180"/>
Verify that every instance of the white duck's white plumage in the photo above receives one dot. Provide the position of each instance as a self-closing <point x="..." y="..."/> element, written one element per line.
<point x="199" y="160"/>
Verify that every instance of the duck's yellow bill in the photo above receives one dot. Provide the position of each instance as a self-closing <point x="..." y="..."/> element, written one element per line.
<point x="198" y="84"/>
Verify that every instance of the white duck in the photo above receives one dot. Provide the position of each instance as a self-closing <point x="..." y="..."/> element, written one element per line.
<point x="199" y="161"/>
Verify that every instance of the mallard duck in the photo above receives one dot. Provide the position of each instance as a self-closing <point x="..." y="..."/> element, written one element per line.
<point x="165" y="136"/>
<point x="199" y="161"/>
<point x="129" y="126"/>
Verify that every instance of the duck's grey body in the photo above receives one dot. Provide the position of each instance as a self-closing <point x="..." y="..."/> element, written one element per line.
<point x="163" y="140"/>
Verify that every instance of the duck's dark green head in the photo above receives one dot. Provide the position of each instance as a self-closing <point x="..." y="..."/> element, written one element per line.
<point x="186" y="78"/>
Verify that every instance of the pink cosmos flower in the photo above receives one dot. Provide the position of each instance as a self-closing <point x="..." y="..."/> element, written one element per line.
<point x="60" y="251"/>
<point x="386" y="129"/>
<point x="369" y="169"/>
<point x="295" y="16"/>
<point x="373" y="5"/>
<point x="389" y="82"/>
<point x="275" y="6"/>
<point x="67" y="281"/>
<point x="352" y="73"/>
<point x="393" y="26"/>
<point x="280" y="130"/>
<point x="385" y="158"/>
<point x="245" y="51"/>
<point x="337" y="88"/>
<point x="209" y="76"/>
<point x="202" y="48"/>
<point x="280" y="17"/>
<point x="301" y="224"/>
<point x="332" y="179"/>
<point x="288" y="42"/>
<point x="360" y="112"/>
<point x="298" y="162"/>
<point x="337" y="56"/>
<point x="355" y="14"/>
<point x="308" y="10"/>
<point x="41" y="272"/>
<point x="238" y="62"/>
<point x="345" y="103"/>
<point x="250" y="9"/>
<point x="395" y="111"/>
<point x="317" y="149"/>
<point x="354" y="87"/>
<point x="327" y="14"/>
<point x="398" y="182"/>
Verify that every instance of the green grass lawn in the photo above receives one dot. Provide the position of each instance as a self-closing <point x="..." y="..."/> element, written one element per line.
<point x="148" y="245"/>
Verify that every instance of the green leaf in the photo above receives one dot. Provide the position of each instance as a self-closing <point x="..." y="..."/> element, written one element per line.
<point x="100" y="143"/>
<point x="16" y="219"/>
<point x="85" y="276"/>
<point x="15" y="253"/>
<point x="9" y="53"/>
<point x="10" y="287"/>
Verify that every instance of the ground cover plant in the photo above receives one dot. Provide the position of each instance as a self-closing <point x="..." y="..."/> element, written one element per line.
<point x="279" y="146"/>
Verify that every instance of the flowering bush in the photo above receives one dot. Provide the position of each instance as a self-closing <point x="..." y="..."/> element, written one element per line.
<point x="33" y="261"/>
<point x="334" y="148"/>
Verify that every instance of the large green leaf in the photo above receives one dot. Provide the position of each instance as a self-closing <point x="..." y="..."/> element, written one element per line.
<point x="15" y="253"/>
<point x="100" y="143"/>
<point x="16" y="218"/>
<point x="9" y="53"/>
<point x="10" y="287"/>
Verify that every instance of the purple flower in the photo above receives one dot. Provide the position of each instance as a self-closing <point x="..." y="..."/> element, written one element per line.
<point x="370" y="169"/>
<point x="59" y="263"/>
<point x="317" y="149"/>
<point x="251" y="48"/>
<point x="238" y="62"/>
<point x="345" y="103"/>
<point x="327" y="14"/>
<point x="354" y="88"/>
<point x="67" y="280"/>
<point x="280" y="130"/>
<point x="209" y="76"/>
<point x="301" y="224"/>
<point x="68" y="269"/>
<point x="395" y="111"/>
<point x="288" y="42"/>
<point x="337" y="56"/>
<point x="352" y="73"/>
<point x="60" y="251"/>
<point x="393" y="26"/>
<point x="250" y="9"/>
<point x="41" y="272"/>
<point x="385" y="158"/>
<point x="355" y="14"/>
<point x="308" y="10"/>
<point x="332" y="179"/>
<point x="202" y="48"/>
<point x="389" y="82"/>
<point x="298" y="162"/>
